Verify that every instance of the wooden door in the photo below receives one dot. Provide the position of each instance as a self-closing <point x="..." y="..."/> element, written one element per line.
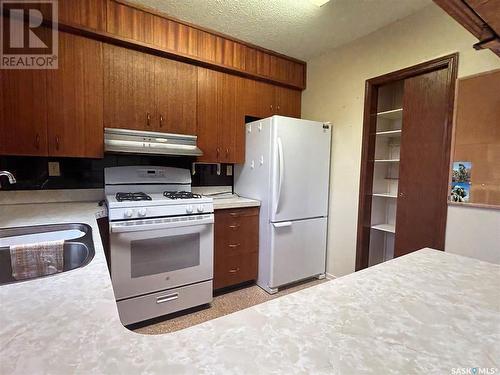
<point x="75" y="99"/>
<point x="207" y="115"/>
<point x="288" y="102"/>
<point x="423" y="173"/>
<point x="175" y="95"/>
<point x="128" y="89"/>
<point x="23" y="112"/>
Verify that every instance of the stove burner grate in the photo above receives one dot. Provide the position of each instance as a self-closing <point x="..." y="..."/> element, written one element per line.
<point x="140" y="196"/>
<point x="180" y="195"/>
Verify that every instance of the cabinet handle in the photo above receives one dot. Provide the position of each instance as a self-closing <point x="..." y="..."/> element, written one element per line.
<point x="37" y="141"/>
<point x="227" y="153"/>
<point x="161" y="121"/>
<point x="57" y="143"/>
<point x="218" y="152"/>
<point x="278" y="107"/>
<point x="234" y="214"/>
<point x="234" y="270"/>
<point x="234" y="245"/>
<point x="235" y="226"/>
<point x="271" y="106"/>
<point x="148" y="119"/>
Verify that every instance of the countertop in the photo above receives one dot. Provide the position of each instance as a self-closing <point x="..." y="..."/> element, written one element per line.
<point x="427" y="312"/>
<point x="234" y="202"/>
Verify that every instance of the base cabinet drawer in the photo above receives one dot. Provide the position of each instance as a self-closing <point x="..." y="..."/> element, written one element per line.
<point x="141" y="308"/>
<point x="234" y="270"/>
<point x="236" y="246"/>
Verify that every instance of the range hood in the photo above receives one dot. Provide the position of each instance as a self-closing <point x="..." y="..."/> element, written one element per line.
<point x="144" y="142"/>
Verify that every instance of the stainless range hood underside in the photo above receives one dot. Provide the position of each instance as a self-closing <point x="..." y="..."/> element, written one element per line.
<point x="144" y="142"/>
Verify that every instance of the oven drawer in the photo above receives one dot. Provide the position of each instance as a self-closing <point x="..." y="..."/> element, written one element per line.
<point x="137" y="309"/>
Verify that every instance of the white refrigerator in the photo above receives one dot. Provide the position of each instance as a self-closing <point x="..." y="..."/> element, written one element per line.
<point x="287" y="168"/>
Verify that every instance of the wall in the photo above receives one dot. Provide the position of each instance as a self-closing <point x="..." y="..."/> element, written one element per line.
<point x="336" y="92"/>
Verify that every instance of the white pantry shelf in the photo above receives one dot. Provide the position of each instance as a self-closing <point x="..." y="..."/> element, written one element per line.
<point x="389" y="133"/>
<point x="394" y="114"/>
<point x="384" y="195"/>
<point x="386" y="160"/>
<point x="389" y="228"/>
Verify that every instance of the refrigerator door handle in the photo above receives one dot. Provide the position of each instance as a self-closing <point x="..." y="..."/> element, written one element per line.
<point x="282" y="224"/>
<point x="281" y="170"/>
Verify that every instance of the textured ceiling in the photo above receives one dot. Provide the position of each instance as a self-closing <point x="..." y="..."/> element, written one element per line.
<point x="296" y="28"/>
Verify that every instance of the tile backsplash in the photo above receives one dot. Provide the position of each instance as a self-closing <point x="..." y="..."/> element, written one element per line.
<point x="32" y="173"/>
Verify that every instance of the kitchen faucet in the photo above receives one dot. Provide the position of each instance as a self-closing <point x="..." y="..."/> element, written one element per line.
<point x="12" y="179"/>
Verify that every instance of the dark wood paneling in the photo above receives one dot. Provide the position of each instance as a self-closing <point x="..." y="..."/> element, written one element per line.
<point x="423" y="171"/>
<point x="74" y="99"/>
<point x="128" y="22"/>
<point x="23" y="115"/>
<point x="489" y="11"/>
<point x="236" y="246"/>
<point x="176" y="95"/>
<point x="128" y="89"/>
<point x="86" y="13"/>
<point x="174" y="36"/>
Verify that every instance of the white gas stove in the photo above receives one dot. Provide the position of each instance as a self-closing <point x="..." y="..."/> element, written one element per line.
<point x="161" y="240"/>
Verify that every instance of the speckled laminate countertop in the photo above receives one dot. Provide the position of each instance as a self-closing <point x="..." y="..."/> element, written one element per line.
<point x="234" y="202"/>
<point x="427" y="312"/>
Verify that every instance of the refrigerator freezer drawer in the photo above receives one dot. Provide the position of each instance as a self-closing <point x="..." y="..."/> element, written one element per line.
<point x="298" y="250"/>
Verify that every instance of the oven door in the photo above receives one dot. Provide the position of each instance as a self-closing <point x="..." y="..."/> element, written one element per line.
<point x="156" y="254"/>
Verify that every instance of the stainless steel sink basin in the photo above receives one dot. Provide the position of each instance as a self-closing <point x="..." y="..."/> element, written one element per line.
<point x="78" y="251"/>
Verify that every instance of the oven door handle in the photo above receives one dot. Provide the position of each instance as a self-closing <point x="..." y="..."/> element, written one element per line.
<point x="165" y="223"/>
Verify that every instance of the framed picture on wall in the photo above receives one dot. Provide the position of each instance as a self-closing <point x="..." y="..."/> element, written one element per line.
<point x="460" y="192"/>
<point x="461" y="171"/>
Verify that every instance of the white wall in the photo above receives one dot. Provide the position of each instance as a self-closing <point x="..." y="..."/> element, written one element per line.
<point x="335" y="92"/>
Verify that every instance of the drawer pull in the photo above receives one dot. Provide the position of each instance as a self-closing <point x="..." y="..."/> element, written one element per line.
<point x="234" y="245"/>
<point x="235" y="214"/>
<point x="234" y="270"/>
<point x="167" y="298"/>
<point x="235" y="226"/>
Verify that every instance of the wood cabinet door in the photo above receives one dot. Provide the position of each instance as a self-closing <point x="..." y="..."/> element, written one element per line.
<point x="260" y="99"/>
<point x="288" y="102"/>
<point x="207" y="114"/>
<point x="86" y="13"/>
<point x="75" y="99"/>
<point x="128" y="89"/>
<point x="175" y="94"/>
<point x="423" y="173"/>
<point x="23" y="112"/>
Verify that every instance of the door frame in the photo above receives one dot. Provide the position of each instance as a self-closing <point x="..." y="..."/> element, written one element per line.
<point x="449" y="62"/>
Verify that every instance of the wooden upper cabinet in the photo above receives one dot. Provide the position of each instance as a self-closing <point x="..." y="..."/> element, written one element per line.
<point x="23" y="112"/>
<point x="288" y="102"/>
<point x="175" y="92"/>
<point x="85" y="13"/>
<point x="128" y="89"/>
<point x="221" y="122"/>
<point x="74" y="99"/>
<point x="259" y="99"/>
<point x="208" y="139"/>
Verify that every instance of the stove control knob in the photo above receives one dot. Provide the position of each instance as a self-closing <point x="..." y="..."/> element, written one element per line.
<point x="189" y="209"/>
<point x="128" y="213"/>
<point x="201" y="208"/>
<point x="142" y="212"/>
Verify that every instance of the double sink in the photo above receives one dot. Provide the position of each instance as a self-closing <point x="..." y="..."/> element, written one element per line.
<point x="78" y="245"/>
